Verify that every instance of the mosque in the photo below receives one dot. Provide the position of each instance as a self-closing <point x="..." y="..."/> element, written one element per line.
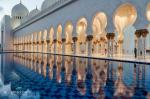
<point x="79" y="27"/>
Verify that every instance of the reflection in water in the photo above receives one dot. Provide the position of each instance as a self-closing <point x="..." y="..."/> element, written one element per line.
<point x="54" y="76"/>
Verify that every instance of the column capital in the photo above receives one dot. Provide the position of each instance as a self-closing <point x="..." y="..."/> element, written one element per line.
<point x="141" y="32"/>
<point x="89" y="37"/>
<point x="110" y="36"/>
<point x="42" y="41"/>
<point x="48" y="41"/>
<point x="55" y="40"/>
<point x="75" y="39"/>
<point x="63" y="39"/>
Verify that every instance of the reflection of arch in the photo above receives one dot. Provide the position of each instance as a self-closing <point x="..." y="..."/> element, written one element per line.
<point x="148" y="11"/>
<point x="125" y="15"/>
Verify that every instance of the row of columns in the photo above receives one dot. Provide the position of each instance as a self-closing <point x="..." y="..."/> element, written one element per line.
<point x="57" y="47"/>
<point x="141" y="42"/>
<point x="62" y="47"/>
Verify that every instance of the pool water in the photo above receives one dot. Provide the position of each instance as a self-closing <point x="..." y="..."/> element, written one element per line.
<point x="46" y="76"/>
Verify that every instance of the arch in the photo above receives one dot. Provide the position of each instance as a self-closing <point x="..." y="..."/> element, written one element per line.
<point x="59" y="39"/>
<point x="68" y="31"/>
<point x="99" y="23"/>
<point x="99" y="33"/>
<point x="40" y="41"/>
<point x="39" y="36"/>
<point x="44" y="45"/>
<point x="148" y="17"/>
<point x="81" y="29"/>
<point x="44" y="35"/>
<point x="148" y="12"/>
<point x="124" y="16"/>
<point x="51" y="34"/>
<point x="59" y="32"/>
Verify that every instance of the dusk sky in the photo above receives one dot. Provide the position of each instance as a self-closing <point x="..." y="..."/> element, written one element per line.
<point x="7" y="5"/>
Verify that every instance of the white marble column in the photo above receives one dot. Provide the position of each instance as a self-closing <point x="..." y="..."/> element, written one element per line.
<point x="74" y="45"/>
<point x="63" y="46"/>
<point x="110" y="40"/>
<point x="55" y="45"/>
<point x="89" y="40"/>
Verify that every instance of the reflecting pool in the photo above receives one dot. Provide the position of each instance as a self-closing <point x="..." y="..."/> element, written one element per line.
<point x="46" y="76"/>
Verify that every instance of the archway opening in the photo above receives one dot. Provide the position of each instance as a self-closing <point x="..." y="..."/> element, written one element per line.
<point x="81" y="35"/>
<point x="40" y="41"/>
<point x="44" y="38"/>
<point x="99" y="34"/>
<point x="51" y="46"/>
<point x="68" y="32"/>
<point x="148" y="17"/>
<point x="59" y="39"/>
<point x="125" y="15"/>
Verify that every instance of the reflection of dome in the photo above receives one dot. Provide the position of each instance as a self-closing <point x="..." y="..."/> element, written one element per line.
<point x="48" y="3"/>
<point x="33" y="12"/>
<point x="19" y="10"/>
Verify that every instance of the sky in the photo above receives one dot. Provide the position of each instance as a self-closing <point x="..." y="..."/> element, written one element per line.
<point x="7" y="5"/>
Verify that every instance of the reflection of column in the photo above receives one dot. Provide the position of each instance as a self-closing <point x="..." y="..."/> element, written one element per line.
<point x="110" y="38"/>
<point x="74" y="44"/>
<point x="89" y="39"/>
<point x="63" y="46"/>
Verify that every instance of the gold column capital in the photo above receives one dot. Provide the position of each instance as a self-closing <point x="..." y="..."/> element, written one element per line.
<point x="75" y="39"/>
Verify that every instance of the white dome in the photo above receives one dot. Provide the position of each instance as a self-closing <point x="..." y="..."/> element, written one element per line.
<point x="19" y="10"/>
<point x="34" y="12"/>
<point x="48" y="3"/>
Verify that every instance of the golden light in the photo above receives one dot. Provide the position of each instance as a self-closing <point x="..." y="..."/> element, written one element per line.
<point x="148" y="12"/>
<point x="51" y="34"/>
<point x="125" y="15"/>
<point x="44" y="35"/>
<point x="68" y="31"/>
<point x="81" y="26"/>
<point x="99" y="23"/>
<point x="59" y="32"/>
